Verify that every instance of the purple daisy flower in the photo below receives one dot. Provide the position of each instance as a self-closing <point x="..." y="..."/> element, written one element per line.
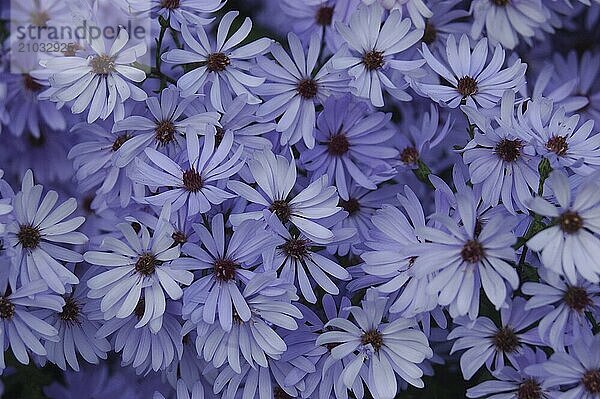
<point x="296" y="89"/>
<point x="577" y="371"/>
<point x="466" y="260"/>
<point x="297" y="258"/>
<point x="372" y="50"/>
<point x="19" y="328"/>
<point x="515" y="382"/>
<point x="276" y="177"/>
<point x="567" y="322"/>
<point x="379" y="350"/>
<point x="256" y="339"/>
<point x="471" y="80"/>
<point x="351" y="142"/>
<point x="222" y="64"/>
<point x="569" y="246"/>
<point x="39" y="236"/>
<point x="196" y="185"/>
<point x="179" y="12"/>
<point x="76" y="330"/>
<point x="140" y="268"/>
<point x="92" y="82"/>
<point x="170" y="118"/>
<point x="227" y="261"/>
<point x="446" y="20"/>
<point x="489" y="344"/>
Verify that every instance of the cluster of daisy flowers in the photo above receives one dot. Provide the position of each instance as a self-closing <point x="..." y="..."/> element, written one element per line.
<point x="390" y="191"/>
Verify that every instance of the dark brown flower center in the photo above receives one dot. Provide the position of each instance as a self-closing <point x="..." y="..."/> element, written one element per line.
<point x="140" y="308"/>
<point x="119" y="141"/>
<point x="430" y="33"/>
<point x="192" y="181"/>
<point x="324" y="15"/>
<point x="558" y="145"/>
<point x="70" y="312"/>
<point x="295" y="248"/>
<point x="509" y="150"/>
<point x="577" y="298"/>
<point x="164" y="133"/>
<point x="217" y="62"/>
<point x="351" y="206"/>
<point x="170" y="4"/>
<point x="282" y="209"/>
<point x="279" y="393"/>
<point x="102" y="64"/>
<point x="591" y="381"/>
<point x="501" y="2"/>
<point x="472" y="251"/>
<point x="409" y="156"/>
<point x="506" y="340"/>
<point x="373" y="60"/>
<point x="529" y="389"/>
<point x="29" y="236"/>
<point x="40" y="18"/>
<point x="7" y="309"/>
<point x="338" y="145"/>
<point x="308" y="88"/>
<point x="224" y="269"/>
<point x="31" y="84"/>
<point x="372" y="337"/>
<point x="179" y="237"/>
<point x="570" y="222"/>
<point x="467" y="86"/>
<point x="146" y="264"/>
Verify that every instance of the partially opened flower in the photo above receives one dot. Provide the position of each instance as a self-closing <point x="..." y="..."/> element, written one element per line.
<point x="220" y="63"/>
<point x="92" y="82"/>
<point x="472" y="78"/>
<point x="180" y="12"/>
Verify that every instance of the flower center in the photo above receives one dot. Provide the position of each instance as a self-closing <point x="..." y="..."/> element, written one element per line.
<point x="140" y="308"/>
<point x="7" y="309"/>
<point x="351" y="206"/>
<point x="308" y="88"/>
<point x="40" y="18"/>
<point x="31" y="84"/>
<point x="170" y="4"/>
<point x="591" y="381"/>
<point x="338" y="145"/>
<point x="373" y="60"/>
<point x="217" y="62"/>
<point x="224" y="269"/>
<point x="179" y="237"/>
<point x="295" y="248"/>
<point x="192" y="181"/>
<point x="467" y="86"/>
<point x="409" y="155"/>
<point x="430" y="33"/>
<point x="472" y="251"/>
<point x="506" y="340"/>
<point x="70" y="312"/>
<point x="558" y="145"/>
<point x="374" y="338"/>
<point x="146" y="264"/>
<point x="102" y="64"/>
<point x="29" y="236"/>
<point x="282" y="209"/>
<point x="324" y="15"/>
<point x="164" y="132"/>
<point x="529" y="389"/>
<point x="119" y="142"/>
<point x="509" y="150"/>
<point x="501" y="3"/>
<point x="570" y="222"/>
<point x="577" y="298"/>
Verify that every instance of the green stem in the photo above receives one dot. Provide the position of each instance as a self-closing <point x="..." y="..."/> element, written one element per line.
<point x="422" y="172"/>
